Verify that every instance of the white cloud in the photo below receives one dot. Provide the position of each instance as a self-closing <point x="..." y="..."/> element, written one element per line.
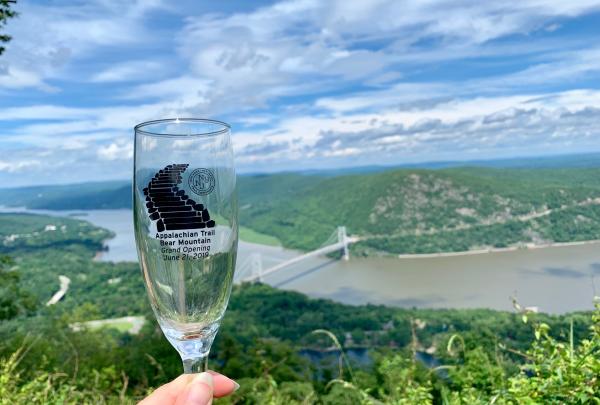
<point x="44" y="112"/>
<point x="299" y="47"/>
<point x="15" y="77"/>
<point x="565" y="67"/>
<point x="130" y="71"/>
<point x="47" y="37"/>
<point x="395" y="95"/>
<point x="522" y="124"/>
<point x="181" y="89"/>
<point x="51" y="165"/>
<point x="288" y="74"/>
<point x="15" y="167"/>
<point x="54" y="124"/>
<point x="116" y="151"/>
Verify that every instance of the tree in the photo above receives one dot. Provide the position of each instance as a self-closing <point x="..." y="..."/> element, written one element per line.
<point x="5" y="14"/>
<point x="14" y="301"/>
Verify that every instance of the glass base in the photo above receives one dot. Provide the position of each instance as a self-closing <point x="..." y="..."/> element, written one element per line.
<point x="193" y="347"/>
<point x="196" y="365"/>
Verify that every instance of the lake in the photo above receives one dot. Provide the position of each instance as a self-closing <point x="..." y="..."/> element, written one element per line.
<point x="555" y="279"/>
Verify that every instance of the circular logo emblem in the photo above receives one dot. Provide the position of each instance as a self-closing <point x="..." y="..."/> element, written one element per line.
<point x="202" y="181"/>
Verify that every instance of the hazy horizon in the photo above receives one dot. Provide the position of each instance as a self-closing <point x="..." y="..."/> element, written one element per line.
<point x="517" y="161"/>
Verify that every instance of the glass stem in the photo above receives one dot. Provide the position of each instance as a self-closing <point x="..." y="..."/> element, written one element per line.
<point x="195" y="365"/>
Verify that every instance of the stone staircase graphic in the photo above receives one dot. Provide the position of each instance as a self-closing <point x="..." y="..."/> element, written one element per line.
<point x="170" y="207"/>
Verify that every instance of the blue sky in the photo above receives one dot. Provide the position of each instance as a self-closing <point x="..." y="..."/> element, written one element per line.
<point x="305" y="84"/>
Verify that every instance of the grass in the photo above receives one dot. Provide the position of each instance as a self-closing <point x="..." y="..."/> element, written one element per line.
<point x="249" y="235"/>
<point x="122" y="326"/>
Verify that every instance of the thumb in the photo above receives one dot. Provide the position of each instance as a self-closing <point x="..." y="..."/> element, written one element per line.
<point x="199" y="391"/>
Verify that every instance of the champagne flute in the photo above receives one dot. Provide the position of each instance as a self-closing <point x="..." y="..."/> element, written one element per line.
<point x="186" y="228"/>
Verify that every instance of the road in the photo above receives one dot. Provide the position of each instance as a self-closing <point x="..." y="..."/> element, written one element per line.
<point x="64" y="287"/>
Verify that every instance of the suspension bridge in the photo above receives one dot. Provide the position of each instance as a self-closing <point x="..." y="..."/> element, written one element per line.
<point x="252" y="268"/>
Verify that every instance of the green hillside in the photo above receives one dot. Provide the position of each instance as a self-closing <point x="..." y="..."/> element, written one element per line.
<point x="398" y="211"/>
<point x="423" y="211"/>
<point x="267" y="340"/>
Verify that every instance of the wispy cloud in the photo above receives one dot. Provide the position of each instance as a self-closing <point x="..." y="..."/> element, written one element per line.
<point x="132" y="71"/>
<point x="15" y="167"/>
<point x="468" y="128"/>
<point x="302" y="81"/>
<point x="47" y="38"/>
<point x="122" y="150"/>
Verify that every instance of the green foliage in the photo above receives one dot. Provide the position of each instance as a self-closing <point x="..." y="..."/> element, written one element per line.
<point x="57" y="388"/>
<point x="249" y="235"/>
<point x="477" y="375"/>
<point x="14" y="301"/>
<point x="559" y="372"/>
<point x="6" y="13"/>
<point x="555" y="372"/>
<point x="490" y="356"/>
<point x="401" y="383"/>
<point x="426" y="211"/>
<point x="33" y="234"/>
<point x="45" y="247"/>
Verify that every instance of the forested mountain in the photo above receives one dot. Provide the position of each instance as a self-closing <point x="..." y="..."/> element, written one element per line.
<point x="397" y="211"/>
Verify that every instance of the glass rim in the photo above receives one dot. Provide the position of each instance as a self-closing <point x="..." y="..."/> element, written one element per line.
<point x="139" y="128"/>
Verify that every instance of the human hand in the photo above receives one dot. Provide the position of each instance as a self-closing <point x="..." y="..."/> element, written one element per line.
<point x="192" y="389"/>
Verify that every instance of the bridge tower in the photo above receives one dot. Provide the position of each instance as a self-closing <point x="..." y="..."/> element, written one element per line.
<point x="343" y="239"/>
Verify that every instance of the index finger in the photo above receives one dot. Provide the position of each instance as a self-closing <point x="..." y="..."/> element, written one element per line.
<point x="167" y="394"/>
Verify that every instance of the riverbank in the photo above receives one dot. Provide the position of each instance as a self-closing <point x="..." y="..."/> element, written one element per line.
<point x="117" y="247"/>
<point x="556" y="279"/>
<point x="529" y="246"/>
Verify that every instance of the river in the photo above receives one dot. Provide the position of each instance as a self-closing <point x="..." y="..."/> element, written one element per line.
<point x="555" y="279"/>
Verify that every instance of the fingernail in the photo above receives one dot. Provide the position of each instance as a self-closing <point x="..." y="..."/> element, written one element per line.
<point x="198" y="393"/>
<point x="236" y="386"/>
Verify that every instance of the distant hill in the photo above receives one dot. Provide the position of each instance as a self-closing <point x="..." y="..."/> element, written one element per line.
<point x="582" y="160"/>
<point x="96" y="195"/>
<point x="397" y="211"/>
